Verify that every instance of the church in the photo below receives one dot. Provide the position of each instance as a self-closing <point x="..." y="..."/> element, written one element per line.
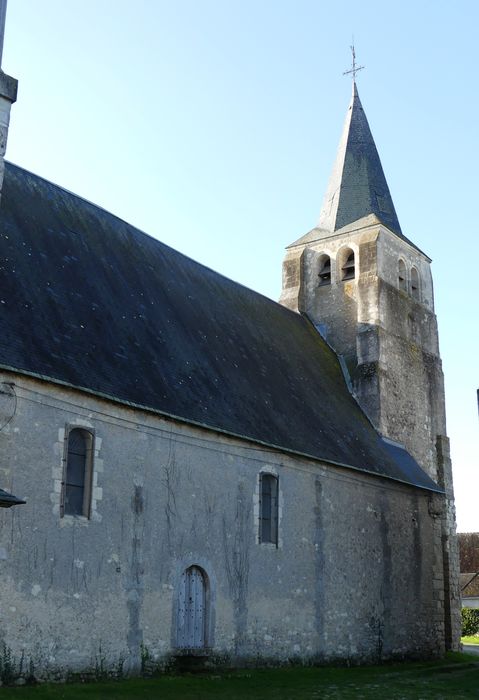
<point x="208" y="473"/>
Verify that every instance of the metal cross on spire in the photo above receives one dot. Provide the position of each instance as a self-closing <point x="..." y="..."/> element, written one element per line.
<point x="354" y="68"/>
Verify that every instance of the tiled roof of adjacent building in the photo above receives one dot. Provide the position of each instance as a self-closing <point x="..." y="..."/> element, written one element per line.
<point x="89" y="301"/>
<point x="469" y="584"/>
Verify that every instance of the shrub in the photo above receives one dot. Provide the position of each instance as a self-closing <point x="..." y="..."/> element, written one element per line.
<point x="470" y="621"/>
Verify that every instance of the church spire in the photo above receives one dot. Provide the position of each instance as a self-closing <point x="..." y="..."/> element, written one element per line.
<point x="357" y="186"/>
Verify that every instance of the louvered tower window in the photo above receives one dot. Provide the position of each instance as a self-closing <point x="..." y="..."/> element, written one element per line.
<point x="402" y="280"/>
<point x="76" y="493"/>
<point x="268" y="525"/>
<point x="324" y="271"/>
<point x="415" y="291"/>
<point x="349" y="267"/>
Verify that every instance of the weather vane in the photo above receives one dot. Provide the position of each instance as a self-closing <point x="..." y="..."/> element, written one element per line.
<point x="355" y="68"/>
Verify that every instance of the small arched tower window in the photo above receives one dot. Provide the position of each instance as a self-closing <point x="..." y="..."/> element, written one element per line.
<point x="324" y="270"/>
<point x="77" y="479"/>
<point x="402" y="279"/>
<point x="268" y="508"/>
<point x="415" y="290"/>
<point x="348" y="269"/>
<point x="192" y="612"/>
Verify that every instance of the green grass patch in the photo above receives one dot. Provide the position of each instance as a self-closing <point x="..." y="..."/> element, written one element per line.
<point x="474" y="639"/>
<point x="456" y="677"/>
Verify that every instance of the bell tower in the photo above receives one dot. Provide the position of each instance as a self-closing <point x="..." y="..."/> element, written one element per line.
<point x="368" y="290"/>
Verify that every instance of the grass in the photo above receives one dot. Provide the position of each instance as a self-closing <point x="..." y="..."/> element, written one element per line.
<point x="456" y="677"/>
<point x="474" y="639"/>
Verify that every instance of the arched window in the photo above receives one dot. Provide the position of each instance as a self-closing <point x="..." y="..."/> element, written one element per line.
<point x="192" y="613"/>
<point x="348" y="269"/>
<point x="415" y="290"/>
<point x="402" y="279"/>
<point x="324" y="270"/>
<point x="77" y="479"/>
<point x="268" y="509"/>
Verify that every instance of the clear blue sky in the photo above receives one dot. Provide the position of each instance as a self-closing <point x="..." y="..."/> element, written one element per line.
<point x="213" y="125"/>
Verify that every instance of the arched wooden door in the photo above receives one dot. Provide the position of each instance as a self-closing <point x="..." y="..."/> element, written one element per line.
<point x="192" y="609"/>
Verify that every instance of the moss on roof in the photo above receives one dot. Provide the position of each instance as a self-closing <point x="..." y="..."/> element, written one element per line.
<point x="91" y="301"/>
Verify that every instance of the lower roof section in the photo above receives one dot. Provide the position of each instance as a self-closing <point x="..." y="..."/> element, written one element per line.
<point x="90" y="301"/>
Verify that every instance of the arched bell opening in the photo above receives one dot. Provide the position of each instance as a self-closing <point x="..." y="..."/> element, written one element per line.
<point x="415" y="284"/>
<point x="324" y="273"/>
<point x="402" y="275"/>
<point x="348" y="266"/>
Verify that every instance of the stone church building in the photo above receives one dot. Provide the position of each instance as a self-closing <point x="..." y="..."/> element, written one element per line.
<point x="207" y="472"/>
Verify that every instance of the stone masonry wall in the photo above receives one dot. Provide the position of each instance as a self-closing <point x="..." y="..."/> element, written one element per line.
<point x="352" y="577"/>
<point x="389" y="340"/>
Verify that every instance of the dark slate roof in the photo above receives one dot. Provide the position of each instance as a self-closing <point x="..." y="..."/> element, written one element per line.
<point x="90" y="301"/>
<point x="357" y="186"/>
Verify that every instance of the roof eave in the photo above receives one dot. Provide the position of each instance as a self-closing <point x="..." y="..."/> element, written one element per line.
<point x="220" y="431"/>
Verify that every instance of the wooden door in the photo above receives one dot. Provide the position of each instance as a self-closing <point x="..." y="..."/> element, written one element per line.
<point x="191" y="623"/>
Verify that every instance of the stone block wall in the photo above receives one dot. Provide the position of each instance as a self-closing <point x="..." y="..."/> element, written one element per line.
<point x="353" y="576"/>
<point x="385" y="330"/>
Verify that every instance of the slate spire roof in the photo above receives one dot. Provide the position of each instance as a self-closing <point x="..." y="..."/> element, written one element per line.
<point x="357" y="186"/>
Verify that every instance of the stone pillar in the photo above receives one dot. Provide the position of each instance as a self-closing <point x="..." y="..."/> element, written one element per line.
<point x="8" y="95"/>
<point x="437" y="622"/>
<point x="450" y="549"/>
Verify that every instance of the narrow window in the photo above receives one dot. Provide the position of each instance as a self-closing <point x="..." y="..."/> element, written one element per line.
<point x="76" y="495"/>
<point x="324" y="271"/>
<point x="349" y="268"/>
<point x="268" y="525"/>
<point x="414" y="283"/>
<point x="402" y="281"/>
<point x="192" y="611"/>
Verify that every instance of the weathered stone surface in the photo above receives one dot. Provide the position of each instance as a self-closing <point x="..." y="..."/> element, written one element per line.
<point x="351" y="577"/>
<point x="388" y="338"/>
<point x="8" y="95"/>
